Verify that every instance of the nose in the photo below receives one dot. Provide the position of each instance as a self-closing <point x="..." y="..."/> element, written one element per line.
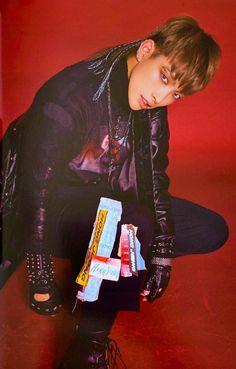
<point x="162" y="93"/>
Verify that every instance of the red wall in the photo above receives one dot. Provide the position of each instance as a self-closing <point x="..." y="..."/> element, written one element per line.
<point x="40" y="37"/>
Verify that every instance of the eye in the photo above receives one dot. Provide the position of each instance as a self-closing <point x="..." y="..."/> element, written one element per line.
<point x="176" y="96"/>
<point x="164" y="78"/>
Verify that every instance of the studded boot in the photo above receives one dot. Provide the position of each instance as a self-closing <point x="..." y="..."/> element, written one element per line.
<point x="41" y="278"/>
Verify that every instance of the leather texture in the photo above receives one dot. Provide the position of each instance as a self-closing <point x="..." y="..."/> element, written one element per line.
<point x="157" y="280"/>
<point x="61" y="120"/>
<point x="41" y="277"/>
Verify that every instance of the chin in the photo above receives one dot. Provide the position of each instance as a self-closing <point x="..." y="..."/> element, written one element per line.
<point x="134" y="106"/>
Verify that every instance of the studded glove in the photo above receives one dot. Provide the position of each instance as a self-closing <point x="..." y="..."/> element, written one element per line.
<point x="158" y="268"/>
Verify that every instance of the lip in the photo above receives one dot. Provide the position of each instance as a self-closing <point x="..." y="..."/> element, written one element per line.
<point x="144" y="103"/>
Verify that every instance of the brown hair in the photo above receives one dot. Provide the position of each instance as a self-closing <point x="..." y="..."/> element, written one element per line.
<point x="193" y="54"/>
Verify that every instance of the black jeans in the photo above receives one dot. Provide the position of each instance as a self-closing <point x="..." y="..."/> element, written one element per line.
<point x="197" y="230"/>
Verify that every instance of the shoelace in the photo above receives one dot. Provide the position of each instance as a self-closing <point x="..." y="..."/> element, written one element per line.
<point x="113" y="353"/>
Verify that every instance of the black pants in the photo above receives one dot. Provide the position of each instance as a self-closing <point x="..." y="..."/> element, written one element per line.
<point x="197" y="230"/>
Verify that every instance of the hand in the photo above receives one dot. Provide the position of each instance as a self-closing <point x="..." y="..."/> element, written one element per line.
<point x="156" y="281"/>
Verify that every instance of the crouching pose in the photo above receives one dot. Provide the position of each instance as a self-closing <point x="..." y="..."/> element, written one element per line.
<point x="99" y="129"/>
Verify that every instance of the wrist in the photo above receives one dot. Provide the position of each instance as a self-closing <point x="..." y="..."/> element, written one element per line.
<point x="162" y="248"/>
<point x="161" y="261"/>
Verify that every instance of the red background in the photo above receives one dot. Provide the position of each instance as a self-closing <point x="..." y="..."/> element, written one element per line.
<point x="195" y="320"/>
<point x="41" y="37"/>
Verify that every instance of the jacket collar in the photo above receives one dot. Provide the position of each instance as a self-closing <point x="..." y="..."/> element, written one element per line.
<point x="119" y="87"/>
<point x="104" y="63"/>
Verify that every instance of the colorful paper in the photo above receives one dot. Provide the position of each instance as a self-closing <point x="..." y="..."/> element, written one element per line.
<point x="105" y="268"/>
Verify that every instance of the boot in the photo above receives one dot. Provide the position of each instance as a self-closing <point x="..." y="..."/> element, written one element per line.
<point x="93" y="351"/>
<point x="41" y="278"/>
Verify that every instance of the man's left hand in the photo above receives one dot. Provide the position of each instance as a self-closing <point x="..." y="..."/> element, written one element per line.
<point x="156" y="282"/>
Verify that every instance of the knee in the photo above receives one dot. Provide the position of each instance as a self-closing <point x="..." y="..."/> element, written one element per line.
<point x="221" y="232"/>
<point x="140" y="216"/>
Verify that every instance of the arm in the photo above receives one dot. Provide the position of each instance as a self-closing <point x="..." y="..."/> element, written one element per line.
<point x="164" y="229"/>
<point x="161" y="250"/>
<point x="45" y="151"/>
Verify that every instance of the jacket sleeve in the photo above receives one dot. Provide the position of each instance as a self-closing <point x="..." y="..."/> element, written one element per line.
<point x="46" y="150"/>
<point x="164" y="228"/>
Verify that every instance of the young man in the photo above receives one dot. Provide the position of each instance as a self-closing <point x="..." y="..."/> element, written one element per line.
<point x="99" y="129"/>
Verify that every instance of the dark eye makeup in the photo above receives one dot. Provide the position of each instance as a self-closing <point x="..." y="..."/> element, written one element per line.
<point x="164" y="78"/>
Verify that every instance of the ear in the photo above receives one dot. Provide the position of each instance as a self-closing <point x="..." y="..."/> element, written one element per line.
<point x="145" y="50"/>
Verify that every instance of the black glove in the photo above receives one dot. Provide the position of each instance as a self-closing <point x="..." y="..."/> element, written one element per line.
<point x="159" y="267"/>
<point x="156" y="281"/>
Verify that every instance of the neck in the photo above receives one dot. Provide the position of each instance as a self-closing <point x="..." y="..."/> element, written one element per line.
<point x="131" y="62"/>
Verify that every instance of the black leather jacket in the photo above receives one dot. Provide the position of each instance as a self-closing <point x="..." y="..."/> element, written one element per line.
<point x="64" y="115"/>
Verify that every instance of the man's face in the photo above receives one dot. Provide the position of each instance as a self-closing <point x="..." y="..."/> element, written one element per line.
<point x="151" y="83"/>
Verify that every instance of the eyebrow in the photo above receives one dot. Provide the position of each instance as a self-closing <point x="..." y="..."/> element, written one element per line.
<point x="167" y="69"/>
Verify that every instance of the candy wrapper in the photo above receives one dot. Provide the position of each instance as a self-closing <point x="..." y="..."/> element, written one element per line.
<point x="101" y="244"/>
<point x="98" y="265"/>
<point x="129" y="251"/>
